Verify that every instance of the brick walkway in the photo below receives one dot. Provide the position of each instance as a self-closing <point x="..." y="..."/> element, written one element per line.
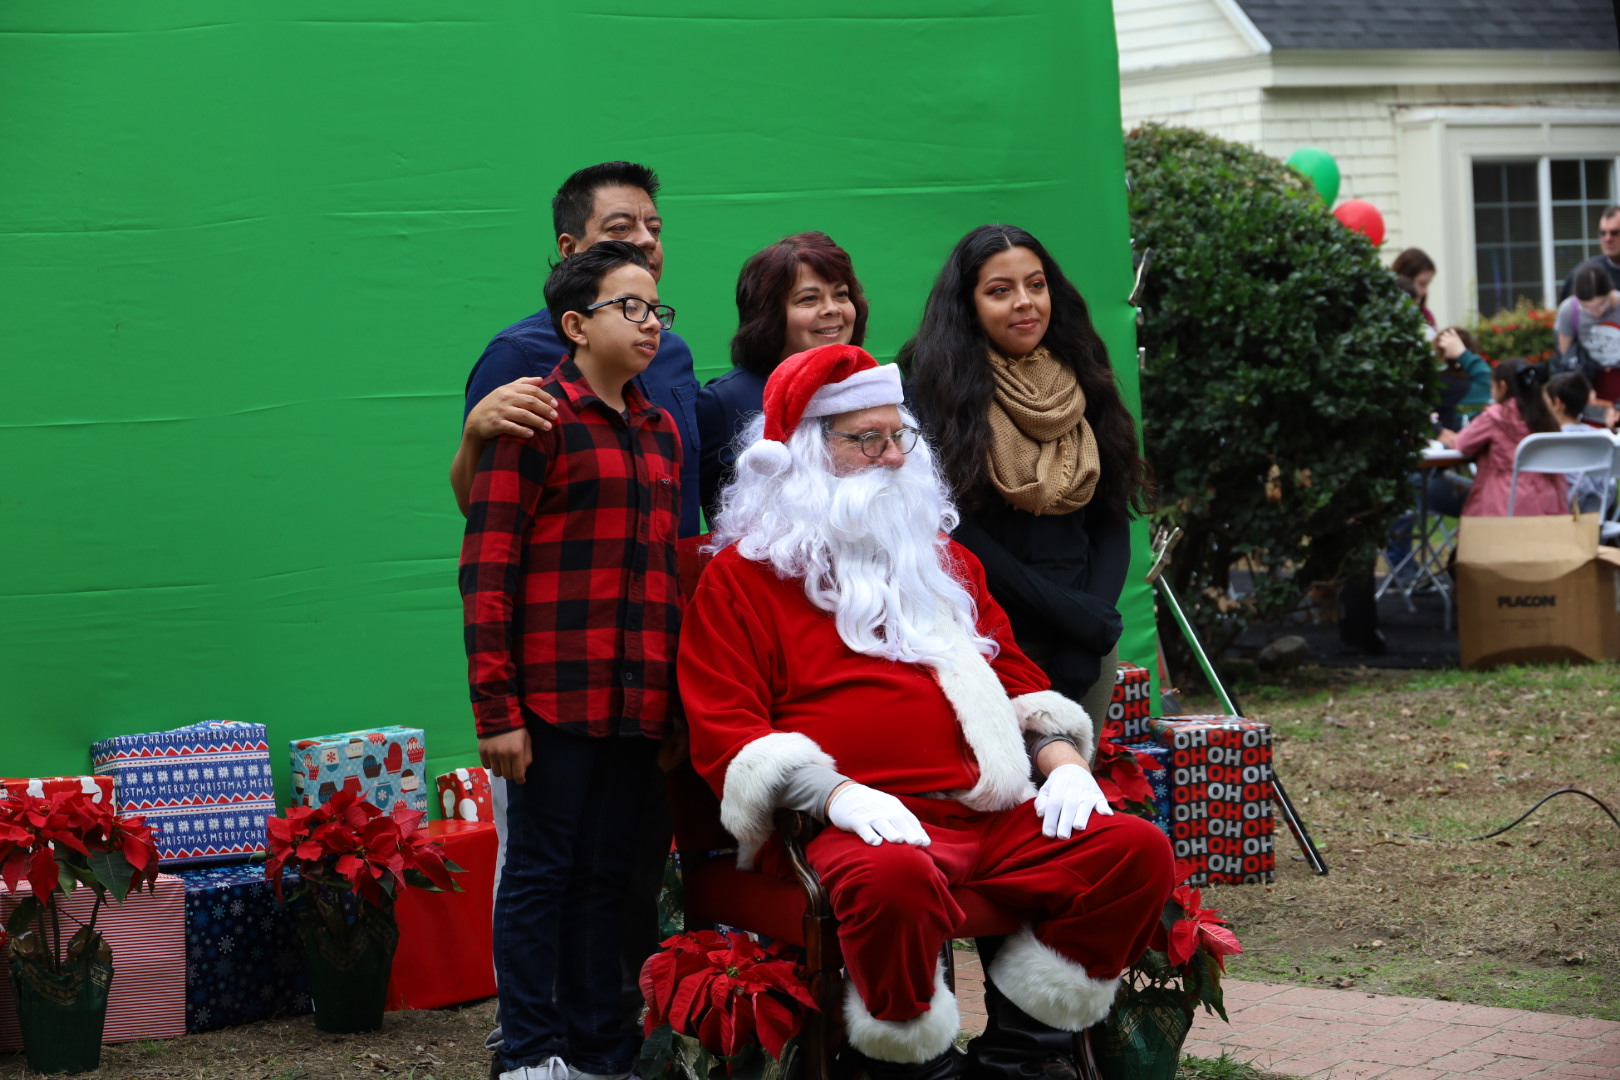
<point x="1350" y="1035"/>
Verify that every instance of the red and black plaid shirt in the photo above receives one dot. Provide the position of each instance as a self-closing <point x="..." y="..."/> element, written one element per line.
<point x="568" y="578"/>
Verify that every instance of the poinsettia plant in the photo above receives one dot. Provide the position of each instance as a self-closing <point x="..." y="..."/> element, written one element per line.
<point x="57" y="843"/>
<point x="349" y="845"/>
<point x="721" y="1003"/>
<point x="1185" y="967"/>
<point x="1118" y="771"/>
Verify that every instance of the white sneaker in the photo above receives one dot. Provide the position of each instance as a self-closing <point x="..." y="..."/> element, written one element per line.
<point x="575" y="1074"/>
<point x="553" y="1068"/>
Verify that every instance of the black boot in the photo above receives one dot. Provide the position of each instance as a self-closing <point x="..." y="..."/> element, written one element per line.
<point x="947" y="1066"/>
<point x="1016" y="1046"/>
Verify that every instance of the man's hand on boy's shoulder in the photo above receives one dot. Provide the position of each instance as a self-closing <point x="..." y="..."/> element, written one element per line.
<point x="506" y="410"/>
<point x="507" y="755"/>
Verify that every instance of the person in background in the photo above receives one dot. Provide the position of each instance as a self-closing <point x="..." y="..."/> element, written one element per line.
<point x="796" y="294"/>
<point x="1013" y="386"/>
<point x="1592" y="317"/>
<point x="1520" y="408"/>
<point x="1465" y="374"/>
<point x="1568" y="395"/>
<point x="1608" y="257"/>
<point x="1415" y="266"/>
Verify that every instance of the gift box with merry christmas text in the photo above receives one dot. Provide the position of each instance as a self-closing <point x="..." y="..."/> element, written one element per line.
<point x="99" y="788"/>
<point x="1220" y="792"/>
<point x="465" y="794"/>
<point x="147" y="935"/>
<point x="205" y="788"/>
<point x="383" y="765"/>
<point x="1131" y="706"/>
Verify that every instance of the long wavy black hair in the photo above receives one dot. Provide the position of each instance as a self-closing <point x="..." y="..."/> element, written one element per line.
<point x="950" y="385"/>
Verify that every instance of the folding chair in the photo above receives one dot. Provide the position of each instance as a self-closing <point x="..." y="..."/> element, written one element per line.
<point x="1609" y="525"/>
<point x="1564" y="452"/>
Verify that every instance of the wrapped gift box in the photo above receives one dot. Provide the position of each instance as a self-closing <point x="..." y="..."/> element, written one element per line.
<point x="1220" y="777"/>
<point x="1159" y="779"/>
<point x="147" y="933"/>
<point x="205" y="789"/>
<point x="464" y="794"/>
<point x="99" y="788"/>
<point x="1131" y="706"/>
<point x="446" y="946"/>
<point x="383" y="764"/>
<point x="243" y="958"/>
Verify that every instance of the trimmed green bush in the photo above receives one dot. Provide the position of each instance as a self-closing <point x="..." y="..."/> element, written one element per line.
<point x="1287" y="386"/>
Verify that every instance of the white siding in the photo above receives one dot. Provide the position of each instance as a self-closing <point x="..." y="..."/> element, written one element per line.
<point x="1230" y="104"/>
<point x="1165" y="33"/>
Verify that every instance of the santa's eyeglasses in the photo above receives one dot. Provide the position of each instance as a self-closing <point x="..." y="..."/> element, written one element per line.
<point x="874" y="443"/>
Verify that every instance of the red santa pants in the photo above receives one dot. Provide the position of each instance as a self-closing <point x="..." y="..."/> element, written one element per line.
<point x="1094" y="898"/>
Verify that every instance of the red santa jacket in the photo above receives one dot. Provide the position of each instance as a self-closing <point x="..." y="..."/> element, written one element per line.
<point x="768" y="686"/>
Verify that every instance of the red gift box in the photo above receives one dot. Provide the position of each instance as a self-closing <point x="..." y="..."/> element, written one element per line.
<point x="464" y="794"/>
<point x="446" y="944"/>
<point x="147" y="934"/>
<point x="1131" y="706"/>
<point x="99" y="788"/>
<point x="1220" y="776"/>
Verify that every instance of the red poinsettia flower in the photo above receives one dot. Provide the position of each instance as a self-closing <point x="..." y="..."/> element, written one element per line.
<point x="1119" y="773"/>
<point x="1198" y="928"/>
<point x="347" y="843"/>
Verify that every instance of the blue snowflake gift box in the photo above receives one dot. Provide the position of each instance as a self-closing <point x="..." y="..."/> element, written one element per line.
<point x="1159" y="780"/>
<point x="384" y="765"/>
<point x="243" y="959"/>
<point x="205" y="789"/>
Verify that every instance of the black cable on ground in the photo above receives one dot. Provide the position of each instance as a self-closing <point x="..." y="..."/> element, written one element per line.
<point x="1467" y="839"/>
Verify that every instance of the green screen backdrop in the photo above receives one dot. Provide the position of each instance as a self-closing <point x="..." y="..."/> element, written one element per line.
<point x="248" y="253"/>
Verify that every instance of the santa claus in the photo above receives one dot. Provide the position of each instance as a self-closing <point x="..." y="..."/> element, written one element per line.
<point x="841" y="656"/>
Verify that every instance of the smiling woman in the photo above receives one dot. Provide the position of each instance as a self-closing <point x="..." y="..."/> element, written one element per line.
<point x="798" y="293"/>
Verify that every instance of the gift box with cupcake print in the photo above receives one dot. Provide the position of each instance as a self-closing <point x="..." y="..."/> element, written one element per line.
<point x="385" y="765"/>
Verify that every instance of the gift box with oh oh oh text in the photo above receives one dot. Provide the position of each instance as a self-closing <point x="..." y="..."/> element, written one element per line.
<point x="1220" y="788"/>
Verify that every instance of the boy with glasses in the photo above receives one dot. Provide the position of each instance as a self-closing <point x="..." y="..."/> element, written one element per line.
<point x="570" y="591"/>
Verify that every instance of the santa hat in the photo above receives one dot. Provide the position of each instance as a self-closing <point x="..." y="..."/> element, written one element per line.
<point x="824" y="381"/>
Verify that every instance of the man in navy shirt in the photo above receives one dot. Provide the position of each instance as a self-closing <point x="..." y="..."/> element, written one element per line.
<point x="615" y="200"/>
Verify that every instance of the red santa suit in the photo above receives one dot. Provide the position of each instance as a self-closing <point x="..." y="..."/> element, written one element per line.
<point x="768" y="686"/>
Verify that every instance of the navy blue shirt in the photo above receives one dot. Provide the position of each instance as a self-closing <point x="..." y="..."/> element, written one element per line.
<point x="724" y="407"/>
<point x="532" y="348"/>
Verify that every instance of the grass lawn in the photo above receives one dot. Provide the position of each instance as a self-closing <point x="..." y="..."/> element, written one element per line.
<point x="1375" y="759"/>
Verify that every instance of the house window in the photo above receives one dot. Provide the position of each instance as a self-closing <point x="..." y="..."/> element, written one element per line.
<point x="1535" y="221"/>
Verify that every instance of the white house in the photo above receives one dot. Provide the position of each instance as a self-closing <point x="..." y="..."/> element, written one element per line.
<point x="1487" y="132"/>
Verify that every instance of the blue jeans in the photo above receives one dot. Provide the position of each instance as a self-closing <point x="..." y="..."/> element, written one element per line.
<point x="570" y="840"/>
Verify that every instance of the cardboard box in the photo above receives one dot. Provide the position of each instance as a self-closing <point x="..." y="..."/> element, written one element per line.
<point x="1220" y="776"/>
<point x="205" y="788"/>
<point x="1536" y="589"/>
<point x="1131" y="706"/>
<point x="383" y="764"/>
<point x="465" y="794"/>
<point x="244" y="961"/>
<point x="147" y="933"/>
<point x="99" y="788"/>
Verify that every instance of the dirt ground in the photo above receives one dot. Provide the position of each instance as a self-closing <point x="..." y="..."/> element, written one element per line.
<point x="1525" y="920"/>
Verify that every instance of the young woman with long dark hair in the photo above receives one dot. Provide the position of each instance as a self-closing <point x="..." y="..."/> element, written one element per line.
<point x="794" y="295"/>
<point x="1012" y="385"/>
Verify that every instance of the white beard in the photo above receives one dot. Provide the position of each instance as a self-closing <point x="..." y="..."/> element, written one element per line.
<point x="870" y="547"/>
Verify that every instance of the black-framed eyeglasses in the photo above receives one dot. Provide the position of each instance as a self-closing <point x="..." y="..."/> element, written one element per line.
<point x="874" y="443"/>
<point x="636" y="310"/>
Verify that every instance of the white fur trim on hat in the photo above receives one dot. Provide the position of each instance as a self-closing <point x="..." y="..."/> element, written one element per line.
<point x="922" y="1038"/>
<point x="867" y="389"/>
<point x="1050" y="713"/>
<point x="766" y="457"/>
<point x="1048" y="986"/>
<point x="753" y="787"/>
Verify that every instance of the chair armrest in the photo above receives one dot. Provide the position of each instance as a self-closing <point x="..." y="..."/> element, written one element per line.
<point x="797" y="828"/>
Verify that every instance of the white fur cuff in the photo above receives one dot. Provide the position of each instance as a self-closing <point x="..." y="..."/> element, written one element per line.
<point x="1054" y="990"/>
<point x="754" y="782"/>
<point x="913" y="1041"/>
<point x="1050" y="713"/>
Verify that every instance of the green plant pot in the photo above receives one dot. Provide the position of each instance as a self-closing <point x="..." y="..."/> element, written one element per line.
<point x="62" y="1014"/>
<point x="348" y="975"/>
<point x="1141" y="1041"/>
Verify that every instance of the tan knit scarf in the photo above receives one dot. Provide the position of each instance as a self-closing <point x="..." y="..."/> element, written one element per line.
<point x="1043" y="456"/>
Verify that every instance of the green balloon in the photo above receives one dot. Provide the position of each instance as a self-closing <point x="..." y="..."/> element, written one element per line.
<point x="1320" y="169"/>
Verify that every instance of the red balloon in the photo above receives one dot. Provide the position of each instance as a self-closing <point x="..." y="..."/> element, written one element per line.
<point x="1362" y="217"/>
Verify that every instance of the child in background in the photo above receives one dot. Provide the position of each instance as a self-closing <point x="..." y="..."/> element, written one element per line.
<point x="1567" y="397"/>
<point x="1493" y="438"/>
<point x="569" y="589"/>
<point x="1461" y="362"/>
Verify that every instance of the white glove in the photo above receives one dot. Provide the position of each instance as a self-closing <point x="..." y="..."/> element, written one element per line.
<point x="1067" y="800"/>
<point x="875" y="817"/>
